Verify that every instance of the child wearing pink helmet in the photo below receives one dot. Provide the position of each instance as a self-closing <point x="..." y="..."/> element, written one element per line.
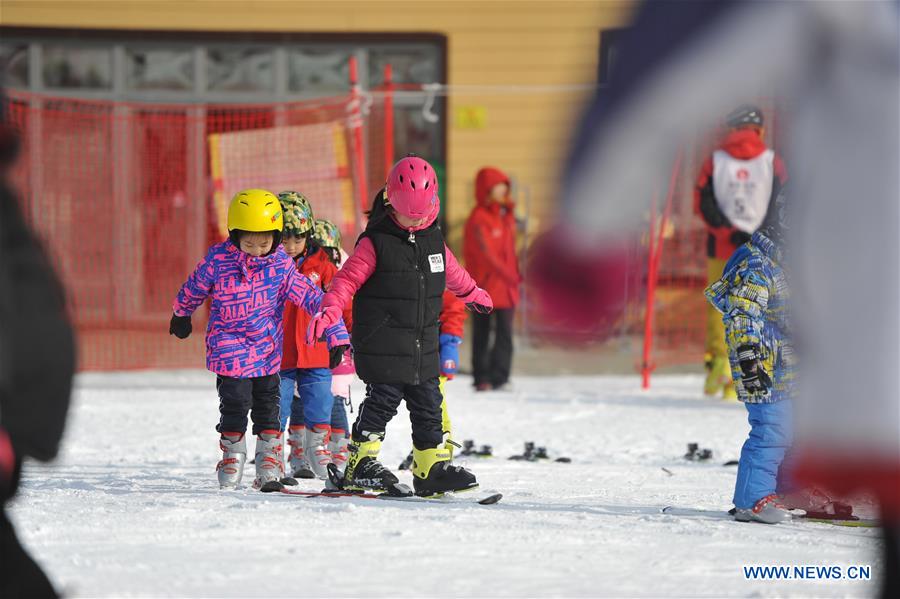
<point x="397" y="277"/>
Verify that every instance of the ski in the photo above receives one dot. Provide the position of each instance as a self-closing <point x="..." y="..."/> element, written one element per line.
<point x="725" y="515"/>
<point x="488" y="499"/>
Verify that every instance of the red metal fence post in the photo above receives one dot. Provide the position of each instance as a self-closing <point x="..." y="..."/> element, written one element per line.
<point x="388" y="119"/>
<point x="356" y="123"/>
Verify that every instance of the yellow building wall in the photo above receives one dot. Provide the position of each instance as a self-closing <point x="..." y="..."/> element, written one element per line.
<point x="544" y="46"/>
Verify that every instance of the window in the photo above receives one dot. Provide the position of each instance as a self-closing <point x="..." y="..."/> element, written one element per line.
<point x="415" y="64"/>
<point x="14" y="65"/>
<point x="240" y="70"/>
<point x="319" y="71"/>
<point x="159" y="69"/>
<point x="73" y="67"/>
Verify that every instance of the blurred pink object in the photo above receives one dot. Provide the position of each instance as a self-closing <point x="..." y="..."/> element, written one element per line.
<point x="579" y="294"/>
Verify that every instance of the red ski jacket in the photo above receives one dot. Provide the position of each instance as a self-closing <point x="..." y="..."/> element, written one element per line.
<point x="297" y="354"/>
<point x="453" y="315"/>
<point x="489" y="244"/>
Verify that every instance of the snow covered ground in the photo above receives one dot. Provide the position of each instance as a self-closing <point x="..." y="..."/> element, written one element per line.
<point x="132" y="507"/>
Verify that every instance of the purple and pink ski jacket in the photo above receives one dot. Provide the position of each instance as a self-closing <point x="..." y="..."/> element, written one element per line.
<point x="245" y="335"/>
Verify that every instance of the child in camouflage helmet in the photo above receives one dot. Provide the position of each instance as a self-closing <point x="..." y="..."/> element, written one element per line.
<point x="305" y="369"/>
<point x="327" y="236"/>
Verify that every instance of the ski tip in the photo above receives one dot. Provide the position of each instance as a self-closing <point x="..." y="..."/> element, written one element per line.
<point x="491" y="499"/>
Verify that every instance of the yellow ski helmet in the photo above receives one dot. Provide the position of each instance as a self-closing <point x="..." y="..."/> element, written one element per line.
<point x="255" y="211"/>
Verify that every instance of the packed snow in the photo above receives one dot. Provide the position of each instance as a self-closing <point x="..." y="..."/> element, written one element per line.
<point x="132" y="507"/>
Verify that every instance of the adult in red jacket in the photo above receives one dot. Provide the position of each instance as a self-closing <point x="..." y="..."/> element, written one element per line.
<point x="732" y="195"/>
<point x="490" y="255"/>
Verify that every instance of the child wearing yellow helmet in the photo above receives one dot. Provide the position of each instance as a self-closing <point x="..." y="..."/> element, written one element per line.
<point x="249" y="278"/>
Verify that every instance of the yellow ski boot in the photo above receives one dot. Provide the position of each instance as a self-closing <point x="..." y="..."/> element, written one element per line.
<point x="364" y="472"/>
<point x="433" y="474"/>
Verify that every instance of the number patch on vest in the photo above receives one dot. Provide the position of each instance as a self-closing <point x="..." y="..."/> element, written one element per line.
<point x="437" y="262"/>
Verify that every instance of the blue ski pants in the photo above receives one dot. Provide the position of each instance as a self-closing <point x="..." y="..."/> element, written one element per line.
<point x="315" y="401"/>
<point x="763" y="452"/>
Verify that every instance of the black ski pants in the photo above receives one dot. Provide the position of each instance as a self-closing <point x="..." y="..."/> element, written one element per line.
<point x="491" y="363"/>
<point x="261" y="396"/>
<point x="20" y="576"/>
<point x="423" y="402"/>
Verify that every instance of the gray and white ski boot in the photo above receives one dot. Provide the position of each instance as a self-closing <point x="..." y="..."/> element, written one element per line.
<point x="315" y="449"/>
<point x="767" y="511"/>
<point x="230" y="468"/>
<point x="340" y="452"/>
<point x="297" y="462"/>
<point x="269" y="467"/>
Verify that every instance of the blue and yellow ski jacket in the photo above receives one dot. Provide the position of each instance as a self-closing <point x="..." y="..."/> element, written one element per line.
<point x="753" y="297"/>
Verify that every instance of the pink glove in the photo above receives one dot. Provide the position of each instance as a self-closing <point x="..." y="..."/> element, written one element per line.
<point x="346" y="366"/>
<point x="478" y="300"/>
<point x="323" y="320"/>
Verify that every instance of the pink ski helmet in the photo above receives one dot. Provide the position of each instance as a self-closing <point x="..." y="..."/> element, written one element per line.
<point x="412" y="188"/>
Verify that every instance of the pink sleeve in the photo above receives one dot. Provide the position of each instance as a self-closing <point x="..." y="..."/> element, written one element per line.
<point x="353" y="273"/>
<point x="459" y="281"/>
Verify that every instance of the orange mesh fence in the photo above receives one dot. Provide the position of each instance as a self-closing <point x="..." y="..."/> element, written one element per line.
<point x="127" y="197"/>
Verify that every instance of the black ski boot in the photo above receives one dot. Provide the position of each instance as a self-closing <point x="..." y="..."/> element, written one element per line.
<point x="433" y="474"/>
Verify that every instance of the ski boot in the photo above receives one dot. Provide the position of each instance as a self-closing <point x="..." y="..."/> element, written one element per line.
<point x="365" y="473"/>
<point x="433" y="474"/>
<point x="407" y="462"/>
<point x="315" y="448"/>
<point x="297" y="462"/>
<point x="269" y="467"/>
<point x="767" y="510"/>
<point x="468" y="448"/>
<point x="486" y="451"/>
<point x="230" y="468"/>
<point x="339" y="451"/>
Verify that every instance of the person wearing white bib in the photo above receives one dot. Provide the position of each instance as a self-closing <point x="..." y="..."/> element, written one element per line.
<point x="732" y="195"/>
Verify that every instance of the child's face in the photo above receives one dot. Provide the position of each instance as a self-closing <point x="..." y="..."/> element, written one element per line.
<point x="499" y="192"/>
<point x="294" y="246"/>
<point x="256" y="244"/>
<point x="409" y="223"/>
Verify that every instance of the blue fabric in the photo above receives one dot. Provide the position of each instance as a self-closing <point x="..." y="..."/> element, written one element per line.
<point x="763" y="452"/>
<point x="449" y="348"/>
<point x="753" y="297"/>
<point x="313" y="404"/>
<point x="339" y="416"/>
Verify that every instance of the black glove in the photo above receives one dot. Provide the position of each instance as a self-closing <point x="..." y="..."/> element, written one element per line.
<point x="478" y="308"/>
<point x="180" y="326"/>
<point x="754" y="377"/>
<point x="335" y="355"/>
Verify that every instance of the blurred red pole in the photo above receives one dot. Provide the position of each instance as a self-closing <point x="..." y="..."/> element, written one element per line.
<point x="356" y="119"/>
<point x="388" y="119"/>
<point x="655" y="256"/>
<point x="646" y="369"/>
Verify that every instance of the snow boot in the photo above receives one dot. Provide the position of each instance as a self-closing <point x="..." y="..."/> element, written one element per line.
<point x="298" y="463"/>
<point x="339" y="451"/>
<point x="230" y="468"/>
<point x="269" y="469"/>
<point x="364" y="472"/>
<point x="767" y="510"/>
<point x="315" y="448"/>
<point x="433" y="473"/>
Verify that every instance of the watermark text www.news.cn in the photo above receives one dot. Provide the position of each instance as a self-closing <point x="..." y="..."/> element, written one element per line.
<point x="808" y="572"/>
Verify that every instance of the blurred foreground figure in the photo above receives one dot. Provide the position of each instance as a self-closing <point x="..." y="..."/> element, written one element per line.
<point x="836" y="65"/>
<point x="37" y="361"/>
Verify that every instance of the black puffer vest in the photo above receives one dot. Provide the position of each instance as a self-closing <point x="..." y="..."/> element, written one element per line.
<point x="395" y="312"/>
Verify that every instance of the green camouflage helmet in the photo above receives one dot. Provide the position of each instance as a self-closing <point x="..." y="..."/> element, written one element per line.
<point x="298" y="214"/>
<point x="327" y="235"/>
